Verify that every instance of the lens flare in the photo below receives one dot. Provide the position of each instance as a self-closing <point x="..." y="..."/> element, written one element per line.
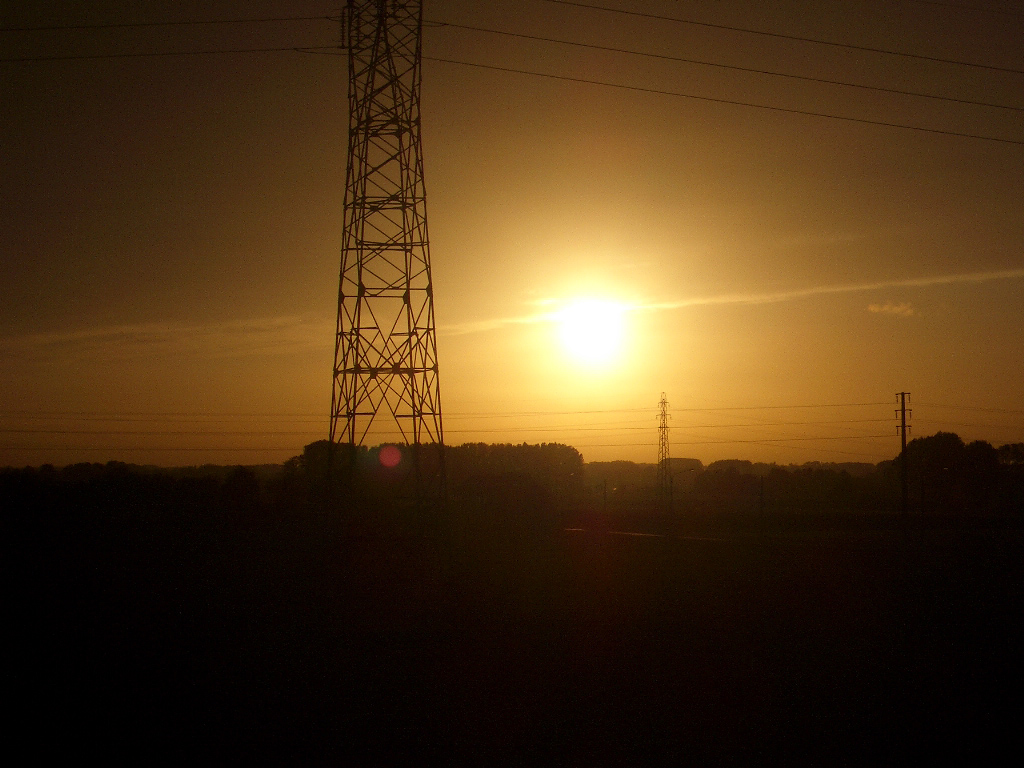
<point x="389" y="456"/>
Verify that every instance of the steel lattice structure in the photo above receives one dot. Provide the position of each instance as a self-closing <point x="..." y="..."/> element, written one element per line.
<point x="664" y="470"/>
<point x="385" y="360"/>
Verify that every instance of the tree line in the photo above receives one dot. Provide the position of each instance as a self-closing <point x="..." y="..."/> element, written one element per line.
<point x="945" y="476"/>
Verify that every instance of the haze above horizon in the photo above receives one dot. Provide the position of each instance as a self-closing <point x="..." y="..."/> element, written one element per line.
<point x="172" y="226"/>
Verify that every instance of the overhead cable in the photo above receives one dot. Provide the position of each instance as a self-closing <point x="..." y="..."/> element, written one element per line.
<point x="146" y="54"/>
<point x="970" y="408"/>
<point x="752" y="70"/>
<point x="183" y="23"/>
<point x="779" y="35"/>
<point x="734" y="102"/>
<point x="968" y="8"/>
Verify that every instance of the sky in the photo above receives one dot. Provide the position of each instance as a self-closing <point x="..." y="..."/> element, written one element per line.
<point x="171" y="226"/>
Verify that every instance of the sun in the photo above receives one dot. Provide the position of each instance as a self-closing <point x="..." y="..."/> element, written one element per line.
<point x="592" y="330"/>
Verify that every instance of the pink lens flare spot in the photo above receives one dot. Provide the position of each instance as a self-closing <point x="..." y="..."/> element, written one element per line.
<point x="390" y="456"/>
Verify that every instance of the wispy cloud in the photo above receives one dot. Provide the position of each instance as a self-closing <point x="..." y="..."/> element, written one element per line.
<point x="774" y="297"/>
<point x="761" y="297"/>
<point x="902" y="309"/>
<point x="235" y="338"/>
<point x="295" y="333"/>
<point x="493" y="324"/>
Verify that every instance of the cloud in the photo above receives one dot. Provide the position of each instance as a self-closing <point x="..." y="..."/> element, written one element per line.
<point x="481" y="326"/>
<point x="235" y="338"/>
<point x="826" y="290"/>
<point x="764" y="297"/>
<point x="902" y="309"/>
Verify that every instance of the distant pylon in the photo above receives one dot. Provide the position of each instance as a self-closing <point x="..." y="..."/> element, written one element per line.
<point x="386" y="386"/>
<point x="664" y="470"/>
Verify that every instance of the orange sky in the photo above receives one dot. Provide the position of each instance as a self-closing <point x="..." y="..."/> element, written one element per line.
<point x="171" y="226"/>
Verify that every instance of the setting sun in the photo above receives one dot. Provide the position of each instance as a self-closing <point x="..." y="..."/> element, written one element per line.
<point x="592" y="330"/>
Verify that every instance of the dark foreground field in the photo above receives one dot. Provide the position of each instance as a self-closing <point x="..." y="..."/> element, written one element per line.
<point x="302" y="640"/>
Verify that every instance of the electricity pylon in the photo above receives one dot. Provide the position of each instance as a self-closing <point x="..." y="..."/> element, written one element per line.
<point x="664" y="470"/>
<point x="386" y="386"/>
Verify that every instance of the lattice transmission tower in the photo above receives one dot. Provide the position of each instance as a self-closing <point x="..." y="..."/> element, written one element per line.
<point x="386" y="387"/>
<point x="664" y="470"/>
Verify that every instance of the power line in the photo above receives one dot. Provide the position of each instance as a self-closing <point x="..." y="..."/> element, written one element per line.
<point x="564" y="78"/>
<point x="778" y="407"/>
<point x="782" y="424"/>
<point x="517" y="414"/>
<point x="970" y="408"/>
<point x="566" y="428"/>
<point x="140" y="448"/>
<point x="213" y="417"/>
<point x="773" y="440"/>
<point x="943" y="422"/>
<point x="160" y="432"/>
<point x="971" y="8"/>
<point x="779" y="35"/>
<point x="278" y="19"/>
<point x="85" y="57"/>
<point x="769" y="441"/>
<point x="787" y="110"/>
<point x="752" y="70"/>
<point x="263" y="433"/>
<point x="182" y="23"/>
<point x="160" y="420"/>
<point x="235" y="416"/>
<point x="295" y="449"/>
<point x="316" y="49"/>
<point x="674" y="442"/>
<point x="129" y="415"/>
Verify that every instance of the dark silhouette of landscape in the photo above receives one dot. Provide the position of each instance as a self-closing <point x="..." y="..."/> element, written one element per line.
<point x="552" y="612"/>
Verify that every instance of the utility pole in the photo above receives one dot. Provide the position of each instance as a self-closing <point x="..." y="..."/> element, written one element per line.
<point x="664" y="470"/>
<point x="386" y="387"/>
<point x="902" y="412"/>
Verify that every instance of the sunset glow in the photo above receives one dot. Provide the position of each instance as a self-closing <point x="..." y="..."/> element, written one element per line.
<point x="610" y="227"/>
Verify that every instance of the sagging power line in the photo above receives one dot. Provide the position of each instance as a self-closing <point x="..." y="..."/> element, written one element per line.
<point x="796" y="38"/>
<point x="736" y="68"/>
<point x="736" y="102"/>
<point x="337" y="50"/>
<point x="170" y="23"/>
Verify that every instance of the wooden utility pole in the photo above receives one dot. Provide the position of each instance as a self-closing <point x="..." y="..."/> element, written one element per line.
<point x="902" y="412"/>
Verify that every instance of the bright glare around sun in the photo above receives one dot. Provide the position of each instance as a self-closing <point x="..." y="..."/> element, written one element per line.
<point x="592" y="330"/>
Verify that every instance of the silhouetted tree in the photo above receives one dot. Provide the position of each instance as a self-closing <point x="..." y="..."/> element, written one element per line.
<point x="981" y="474"/>
<point x="1011" y="455"/>
<point x="241" y="490"/>
<point x="934" y="470"/>
<point x="1011" y="465"/>
<point x="556" y="467"/>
